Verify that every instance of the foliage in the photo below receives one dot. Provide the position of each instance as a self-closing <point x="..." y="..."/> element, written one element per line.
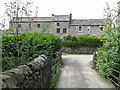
<point x="110" y="47"/>
<point x="68" y="37"/>
<point x="29" y="45"/>
<point x="55" y="77"/>
<point x="82" y="40"/>
<point x="108" y="55"/>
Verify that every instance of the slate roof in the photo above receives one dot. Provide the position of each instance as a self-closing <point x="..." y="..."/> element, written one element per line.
<point x="53" y="18"/>
<point x="58" y="18"/>
<point x="35" y="18"/>
<point x="88" y="22"/>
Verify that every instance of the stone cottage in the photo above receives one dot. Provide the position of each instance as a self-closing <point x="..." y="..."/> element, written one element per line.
<point x="61" y="25"/>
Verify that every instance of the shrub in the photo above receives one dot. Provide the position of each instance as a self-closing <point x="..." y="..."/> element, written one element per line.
<point x="82" y="40"/>
<point x="68" y="37"/>
<point x="108" y="58"/>
<point x="29" y="46"/>
<point x="108" y="52"/>
<point x="68" y="43"/>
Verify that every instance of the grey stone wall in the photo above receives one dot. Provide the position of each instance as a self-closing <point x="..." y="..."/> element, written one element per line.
<point x="26" y="28"/>
<point x="52" y="28"/>
<point x="36" y="74"/>
<point x="62" y="25"/>
<point x="94" y="30"/>
<point x="79" y="50"/>
<point x="71" y="30"/>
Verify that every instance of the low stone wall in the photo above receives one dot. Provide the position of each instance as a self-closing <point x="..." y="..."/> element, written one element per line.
<point x="36" y="74"/>
<point x="79" y="50"/>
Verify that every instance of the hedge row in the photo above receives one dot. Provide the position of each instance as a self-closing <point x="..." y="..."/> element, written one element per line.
<point x="82" y="40"/>
<point x="27" y="47"/>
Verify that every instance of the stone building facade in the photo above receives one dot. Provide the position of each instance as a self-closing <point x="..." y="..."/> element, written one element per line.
<point x="61" y="25"/>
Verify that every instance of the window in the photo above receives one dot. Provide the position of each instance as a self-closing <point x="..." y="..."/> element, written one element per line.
<point x="58" y="24"/>
<point x="64" y="30"/>
<point x="101" y="28"/>
<point x="88" y="28"/>
<point x="58" y="30"/>
<point x="80" y="28"/>
<point x="19" y="25"/>
<point x="29" y="25"/>
<point x="38" y="25"/>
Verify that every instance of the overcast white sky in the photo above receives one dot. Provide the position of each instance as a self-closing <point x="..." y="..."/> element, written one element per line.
<point x="80" y="9"/>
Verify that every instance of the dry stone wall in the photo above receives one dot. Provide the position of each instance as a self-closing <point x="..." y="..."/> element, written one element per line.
<point x="79" y="50"/>
<point x="36" y="74"/>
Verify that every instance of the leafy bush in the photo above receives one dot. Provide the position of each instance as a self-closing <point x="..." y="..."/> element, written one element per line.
<point x="108" y="52"/>
<point x="68" y="43"/>
<point x="29" y="46"/>
<point x="82" y="40"/>
<point x="68" y="37"/>
<point x="108" y="58"/>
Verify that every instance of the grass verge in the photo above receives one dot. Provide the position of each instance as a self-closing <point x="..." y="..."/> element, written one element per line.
<point x="108" y="81"/>
<point x="54" y="78"/>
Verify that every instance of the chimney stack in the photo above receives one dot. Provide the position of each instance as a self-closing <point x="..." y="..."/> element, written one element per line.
<point x="53" y="15"/>
<point x="70" y="19"/>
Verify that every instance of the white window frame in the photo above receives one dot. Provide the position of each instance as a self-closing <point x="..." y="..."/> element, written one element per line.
<point x="65" y="30"/>
<point x="88" y="28"/>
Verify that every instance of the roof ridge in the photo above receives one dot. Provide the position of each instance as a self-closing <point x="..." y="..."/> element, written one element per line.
<point x="34" y="17"/>
<point x="61" y="15"/>
<point x="88" y="19"/>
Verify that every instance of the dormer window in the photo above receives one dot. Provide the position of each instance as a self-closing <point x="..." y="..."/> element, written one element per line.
<point x="58" y="24"/>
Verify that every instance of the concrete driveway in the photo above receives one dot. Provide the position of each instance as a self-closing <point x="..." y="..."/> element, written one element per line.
<point x="77" y="73"/>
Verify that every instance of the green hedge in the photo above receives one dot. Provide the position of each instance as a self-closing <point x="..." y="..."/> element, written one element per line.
<point x="82" y="40"/>
<point x="27" y="45"/>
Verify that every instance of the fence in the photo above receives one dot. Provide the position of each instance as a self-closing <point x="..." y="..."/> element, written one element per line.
<point x="56" y="64"/>
<point x="113" y="69"/>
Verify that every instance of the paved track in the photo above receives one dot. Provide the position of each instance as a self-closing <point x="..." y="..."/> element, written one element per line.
<point x="77" y="73"/>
